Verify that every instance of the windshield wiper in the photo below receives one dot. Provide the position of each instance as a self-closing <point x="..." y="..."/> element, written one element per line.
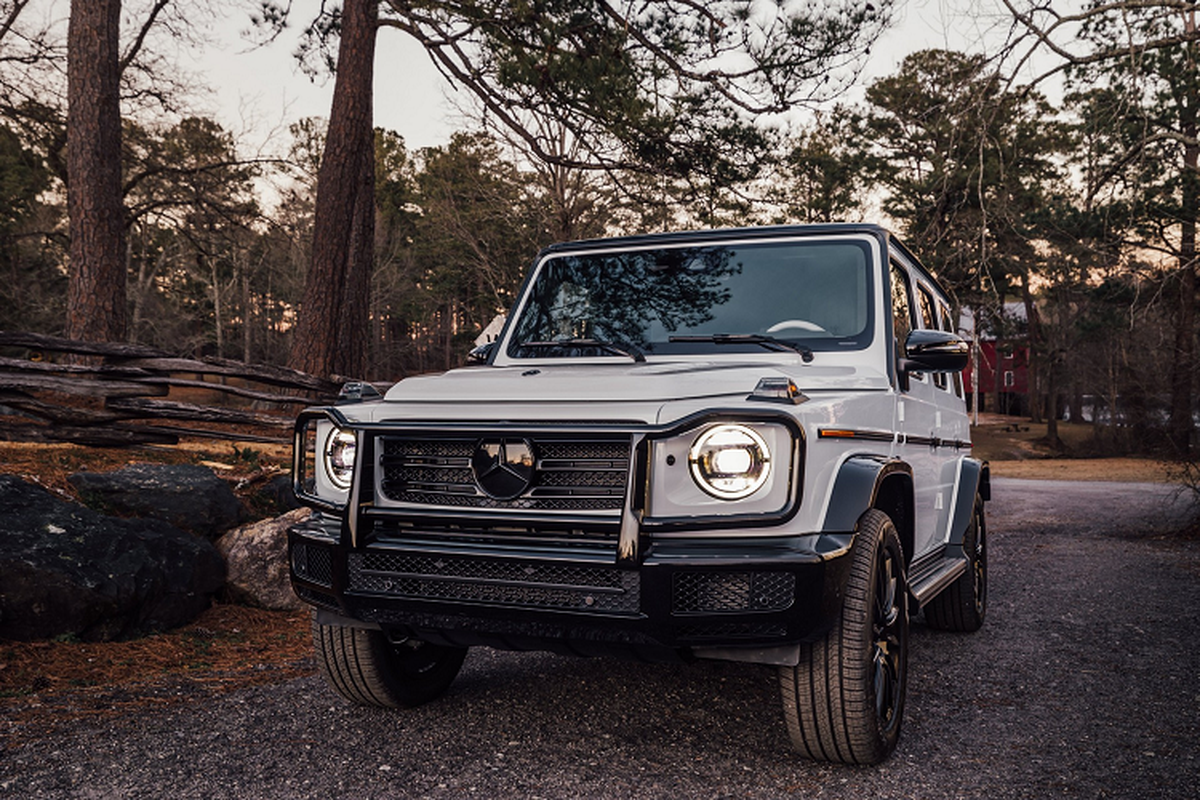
<point x="769" y="342"/>
<point x="629" y="351"/>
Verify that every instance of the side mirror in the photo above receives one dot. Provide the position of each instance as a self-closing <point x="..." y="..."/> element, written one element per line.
<point x="934" y="351"/>
<point x="480" y="355"/>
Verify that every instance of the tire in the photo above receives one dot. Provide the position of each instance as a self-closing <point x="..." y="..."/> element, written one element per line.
<point x="367" y="668"/>
<point x="962" y="605"/>
<point x="844" y="701"/>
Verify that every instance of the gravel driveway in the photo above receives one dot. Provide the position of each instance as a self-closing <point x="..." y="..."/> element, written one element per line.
<point x="1082" y="683"/>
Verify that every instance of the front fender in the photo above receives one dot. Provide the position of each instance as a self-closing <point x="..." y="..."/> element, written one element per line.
<point x="856" y="489"/>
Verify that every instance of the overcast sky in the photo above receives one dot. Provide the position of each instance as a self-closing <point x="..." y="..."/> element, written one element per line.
<point x="258" y="91"/>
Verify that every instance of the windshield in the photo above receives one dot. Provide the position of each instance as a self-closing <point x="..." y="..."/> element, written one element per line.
<point x="731" y="297"/>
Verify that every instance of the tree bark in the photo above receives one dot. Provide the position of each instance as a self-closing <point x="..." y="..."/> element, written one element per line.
<point x="1183" y="364"/>
<point x="355" y="324"/>
<point x="327" y="291"/>
<point x="1036" y="343"/>
<point x="1052" y="406"/>
<point x="247" y="322"/>
<point x="1180" y="424"/>
<point x="96" y="288"/>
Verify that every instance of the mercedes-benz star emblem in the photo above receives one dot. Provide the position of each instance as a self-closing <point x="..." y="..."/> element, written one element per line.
<point x="503" y="467"/>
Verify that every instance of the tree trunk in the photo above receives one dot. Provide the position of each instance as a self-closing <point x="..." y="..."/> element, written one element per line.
<point x="247" y="340"/>
<point x="218" y="324"/>
<point x="998" y="379"/>
<point x="1179" y="425"/>
<point x="1052" y="407"/>
<point x="1034" y="328"/>
<point x="96" y="287"/>
<point x="1183" y="364"/>
<point x="355" y="323"/>
<point x="315" y="347"/>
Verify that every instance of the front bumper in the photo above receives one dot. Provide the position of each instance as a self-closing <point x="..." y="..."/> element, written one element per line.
<point x="743" y="599"/>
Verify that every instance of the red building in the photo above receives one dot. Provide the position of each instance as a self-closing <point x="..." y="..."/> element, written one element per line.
<point x="1003" y="360"/>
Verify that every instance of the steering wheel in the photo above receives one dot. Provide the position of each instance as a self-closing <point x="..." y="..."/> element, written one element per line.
<point x="800" y="324"/>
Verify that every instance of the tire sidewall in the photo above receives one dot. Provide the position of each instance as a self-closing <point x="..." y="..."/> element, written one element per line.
<point x="884" y="543"/>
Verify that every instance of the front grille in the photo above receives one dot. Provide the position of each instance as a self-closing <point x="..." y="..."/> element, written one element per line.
<point x="313" y="563"/>
<point x="572" y="472"/>
<point x="510" y="583"/>
<point x="715" y="592"/>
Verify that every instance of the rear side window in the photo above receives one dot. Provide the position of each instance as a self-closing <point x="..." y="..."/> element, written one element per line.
<point x="948" y="326"/>
<point x="929" y="323"/>
<point x="902" y="323"/>
<point x="947" y="323"/>
<point x="928" y="317"/>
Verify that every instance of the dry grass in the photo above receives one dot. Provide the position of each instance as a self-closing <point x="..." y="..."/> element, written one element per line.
<point x="1135" y="470"/>
<point x="1017" y="448"/>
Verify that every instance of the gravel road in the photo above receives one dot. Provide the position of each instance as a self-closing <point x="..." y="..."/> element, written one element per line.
<point x="1082" y="683"/>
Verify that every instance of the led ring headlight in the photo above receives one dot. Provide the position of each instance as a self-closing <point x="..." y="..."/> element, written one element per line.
<point x="730" y="461"/>
<point x="340" y="447"/>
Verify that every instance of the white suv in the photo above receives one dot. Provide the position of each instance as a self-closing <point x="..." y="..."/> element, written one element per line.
<point x="747" y="445"/>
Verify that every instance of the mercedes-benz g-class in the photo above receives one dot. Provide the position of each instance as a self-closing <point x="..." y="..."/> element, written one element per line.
<point x="747" y="444"/>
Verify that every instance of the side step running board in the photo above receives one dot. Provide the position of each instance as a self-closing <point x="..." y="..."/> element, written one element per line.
<point x="930" y="579"/>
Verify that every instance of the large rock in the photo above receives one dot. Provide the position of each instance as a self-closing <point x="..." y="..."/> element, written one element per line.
<point x="68" y="570"/>
<point x="189" y="497"/>
<point x="277" y="494"/>
<point x="257" y="565"/>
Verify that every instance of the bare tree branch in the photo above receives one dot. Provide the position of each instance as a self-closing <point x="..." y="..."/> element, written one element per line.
<point x="1045" y="36"/>
<point x="140" y="40"/>
<point x="13" y="13"/>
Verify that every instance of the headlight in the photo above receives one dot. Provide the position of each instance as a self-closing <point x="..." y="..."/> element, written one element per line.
<point x="729" y="461"/>
<point x="340" y="447"/>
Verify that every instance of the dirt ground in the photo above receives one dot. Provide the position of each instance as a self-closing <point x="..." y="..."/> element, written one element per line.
<point x="46" y="687"/>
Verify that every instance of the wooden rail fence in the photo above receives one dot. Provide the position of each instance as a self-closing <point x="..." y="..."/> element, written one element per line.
<point x="118" y="394"/>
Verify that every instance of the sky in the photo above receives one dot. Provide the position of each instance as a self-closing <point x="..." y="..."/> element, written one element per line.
<point x="257" y="92"/>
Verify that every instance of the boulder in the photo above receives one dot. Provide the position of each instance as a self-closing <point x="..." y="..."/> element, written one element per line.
<point x="277" y="494"/>
<point x="66" y="570"/>
<point x="256" y="562"/>
<point x="189" y="497"/>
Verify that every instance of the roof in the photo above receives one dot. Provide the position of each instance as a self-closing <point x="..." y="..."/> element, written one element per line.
<point x="717" y="234"/>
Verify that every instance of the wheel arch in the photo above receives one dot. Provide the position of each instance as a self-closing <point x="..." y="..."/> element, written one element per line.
<point x="872" y="481"/>
<point x="974" y="480"/>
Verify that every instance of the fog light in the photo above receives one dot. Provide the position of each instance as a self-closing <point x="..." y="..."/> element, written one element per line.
<point x="730" y="461"/>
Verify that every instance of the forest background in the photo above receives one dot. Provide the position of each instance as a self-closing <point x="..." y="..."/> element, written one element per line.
<point x="1068" y="225"/>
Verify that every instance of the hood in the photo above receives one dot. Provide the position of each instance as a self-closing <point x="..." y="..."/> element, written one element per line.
<point x="631" y="391"/>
